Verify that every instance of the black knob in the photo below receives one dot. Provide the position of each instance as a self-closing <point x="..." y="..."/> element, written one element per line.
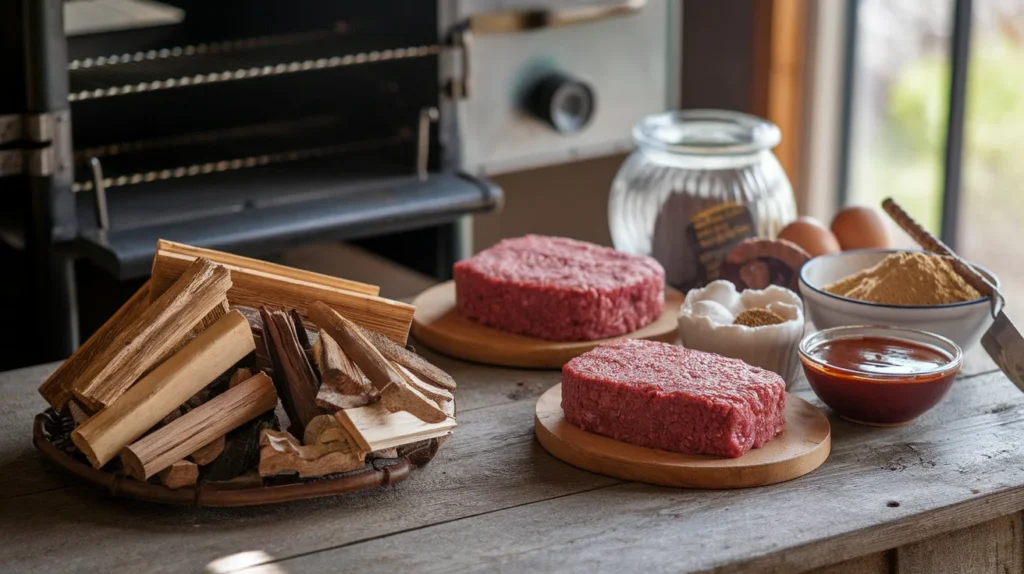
<point x="563" y="102"/>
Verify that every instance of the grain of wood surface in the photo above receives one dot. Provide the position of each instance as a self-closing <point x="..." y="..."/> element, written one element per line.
<point x="494" y="499"/>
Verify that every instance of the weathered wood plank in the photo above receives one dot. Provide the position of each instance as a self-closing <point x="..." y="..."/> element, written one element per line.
<point x="22" y="470"/>
<point x="490" y="463"/>
<point x="493" y="463"/>
<point x="878" y="563"/>
<point x="944" y="475"/>
<point x="993" y="546"/>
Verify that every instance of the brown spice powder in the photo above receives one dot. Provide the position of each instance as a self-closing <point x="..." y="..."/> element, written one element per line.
<point x="758" y="318"/>
<point x="910" y="278"/>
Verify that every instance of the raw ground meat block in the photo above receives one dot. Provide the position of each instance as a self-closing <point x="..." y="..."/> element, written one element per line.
<point x="559" y="289"/>
<point x="666" y="397"/>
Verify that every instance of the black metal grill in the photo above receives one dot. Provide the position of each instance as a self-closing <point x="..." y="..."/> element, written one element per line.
<point x="249" y="126"/>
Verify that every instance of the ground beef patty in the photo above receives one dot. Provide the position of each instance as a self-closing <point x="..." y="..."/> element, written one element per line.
<point x="666" y="397"/>
<point x="559" y="289"/>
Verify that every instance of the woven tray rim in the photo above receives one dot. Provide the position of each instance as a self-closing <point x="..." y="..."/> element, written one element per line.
<point x="210" y="494"/>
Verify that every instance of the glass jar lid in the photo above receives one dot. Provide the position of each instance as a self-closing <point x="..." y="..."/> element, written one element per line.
<point x="706" y="132"/>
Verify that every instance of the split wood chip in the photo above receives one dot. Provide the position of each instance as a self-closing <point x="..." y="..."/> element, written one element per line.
<point x="405" y="397"/>
<point x="77" y="412"/>
<point x="263" y="360"/>
<point x="57" y="387"/>
<point x="257" y="284"/>
<point x="181" y="473"/>
<point x="383" y="430"/>
<point x="197" y="428"/>
<point x="209" y="453"/>
<point x="397" y="394"/>
<point x="416" y="364"/>
<point x="342" y="384"/>
<point x="294" y="376"/>
<point x="342" y="419"/>
<point x="158" y="330"/>
<point x="239" y="376"/>
<point x="436" y="394"/>
<point x="242" y="451"/>
<point x="239" y="263"/>
<point x="162" y="391"/>
<point x="281" y="453"/>
<point x="355" y="345"/>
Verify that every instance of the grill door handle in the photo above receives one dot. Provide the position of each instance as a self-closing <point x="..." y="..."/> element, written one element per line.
<point x="537" y="18"/>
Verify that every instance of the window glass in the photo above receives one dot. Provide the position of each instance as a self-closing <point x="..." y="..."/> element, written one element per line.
<point x="990" y="222"/>
<point x="899" y="106"/>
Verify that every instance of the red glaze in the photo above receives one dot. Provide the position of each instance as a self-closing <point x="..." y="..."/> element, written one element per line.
<point x="879" y="380"/>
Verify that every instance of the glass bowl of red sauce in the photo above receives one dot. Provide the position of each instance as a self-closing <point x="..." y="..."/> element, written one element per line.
<point x="881" y="376"/>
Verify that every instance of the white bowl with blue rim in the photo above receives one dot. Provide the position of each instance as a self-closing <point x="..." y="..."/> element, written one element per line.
<point x="964" y="323"/>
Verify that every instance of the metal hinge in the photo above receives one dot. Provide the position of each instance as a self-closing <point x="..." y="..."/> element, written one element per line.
<point x="45" y="145"/>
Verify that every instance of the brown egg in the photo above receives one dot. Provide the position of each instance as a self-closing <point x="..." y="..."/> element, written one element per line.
<point x="860" y="227"/>
<point x="810" y="234"/>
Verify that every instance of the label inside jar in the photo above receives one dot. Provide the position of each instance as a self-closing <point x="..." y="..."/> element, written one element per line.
<point x="713" y="232"/>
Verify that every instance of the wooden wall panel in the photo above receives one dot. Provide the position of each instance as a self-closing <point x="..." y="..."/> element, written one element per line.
<point x="880" y="563"/>
<point x="994" y="546"/>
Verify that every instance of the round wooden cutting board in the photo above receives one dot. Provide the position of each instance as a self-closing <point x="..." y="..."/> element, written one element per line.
<point x="439" y="325"/>
<point x="800" y="449"/>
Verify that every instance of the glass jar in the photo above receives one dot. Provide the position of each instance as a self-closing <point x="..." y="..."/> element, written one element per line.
<point x="699" y="182"/>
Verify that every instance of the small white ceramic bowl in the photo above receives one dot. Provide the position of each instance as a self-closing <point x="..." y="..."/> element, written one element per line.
<point x="963" y="323"/>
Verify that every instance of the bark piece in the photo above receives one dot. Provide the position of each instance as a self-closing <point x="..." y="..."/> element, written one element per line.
<point x="153" y="335"/>
<point x="181" y="473"/>
<point x="197" y="428"/>
<point x="177" y="379"/>
<point x="257" y="283"/>
<point x="297" y="383"/>
<point x="281" y="453"/>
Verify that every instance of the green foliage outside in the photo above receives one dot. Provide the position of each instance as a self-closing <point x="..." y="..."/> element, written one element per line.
<point x="906" y="160"/>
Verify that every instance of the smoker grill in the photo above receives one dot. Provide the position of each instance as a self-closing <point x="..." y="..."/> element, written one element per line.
<point x="245" y="126"/>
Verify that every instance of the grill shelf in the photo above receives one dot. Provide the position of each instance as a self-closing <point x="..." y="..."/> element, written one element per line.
<point x="275" y="207"/>
<point x="135" y="76"/>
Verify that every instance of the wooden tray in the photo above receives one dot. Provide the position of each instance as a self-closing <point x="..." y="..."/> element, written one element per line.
<point x="50" y="434"/>
<point x="800" y="449"/>
<point x="438" y="325"/>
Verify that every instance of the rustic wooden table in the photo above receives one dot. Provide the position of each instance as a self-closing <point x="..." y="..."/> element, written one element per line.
<point x="941" y="494"/>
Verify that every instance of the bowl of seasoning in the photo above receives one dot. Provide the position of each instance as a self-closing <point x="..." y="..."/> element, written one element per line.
<point x="880" y="376"/>
<point x="900" y="288"/>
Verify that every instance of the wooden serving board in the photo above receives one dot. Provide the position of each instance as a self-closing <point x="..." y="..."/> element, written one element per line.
<point x="439" y="325"/>
<point x="802" y="448"/>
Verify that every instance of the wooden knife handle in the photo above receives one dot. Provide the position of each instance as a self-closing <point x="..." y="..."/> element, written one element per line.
<point x="931" y="243"/>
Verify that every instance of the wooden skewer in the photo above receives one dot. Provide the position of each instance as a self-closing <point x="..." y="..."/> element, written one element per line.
<point x="931" y="243"/>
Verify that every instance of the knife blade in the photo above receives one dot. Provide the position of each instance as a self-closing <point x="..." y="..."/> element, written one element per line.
<point x="1003" y="342"/>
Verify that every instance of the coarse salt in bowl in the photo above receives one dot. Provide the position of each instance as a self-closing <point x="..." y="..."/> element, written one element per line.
<point x="706" y="324"/>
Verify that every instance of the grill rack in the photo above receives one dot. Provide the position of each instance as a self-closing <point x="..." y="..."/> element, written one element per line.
<point x="239" y="163"/>
<point x="165" y="73"/>
<point x="206" y="137"/>
<point x="200" y="49"/>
